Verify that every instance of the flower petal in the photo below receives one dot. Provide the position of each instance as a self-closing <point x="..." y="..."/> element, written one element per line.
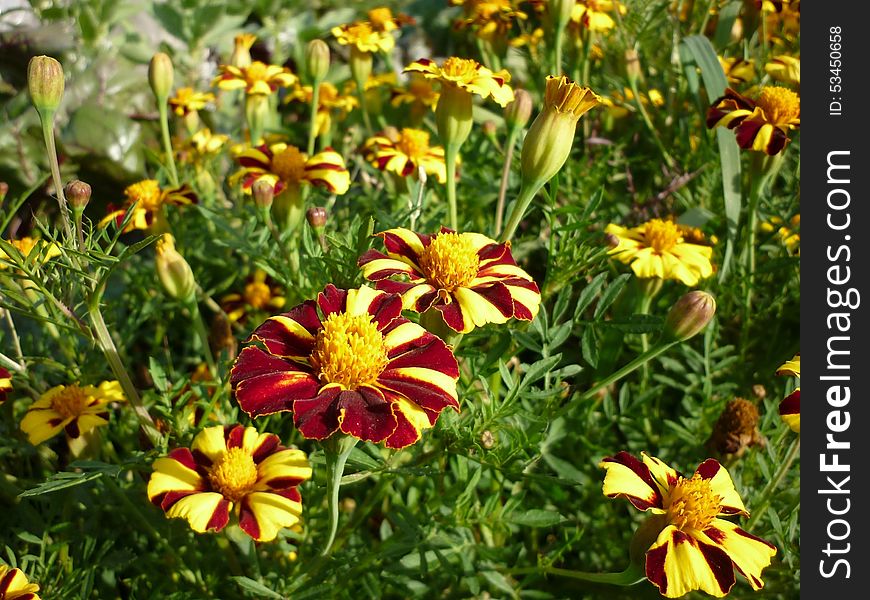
<point x="266" y="384"/>
<point x="678" y="564"/>
<point x="263" y="514"/>
<point x="366" y="414"/>
<point x="630" y="478"/>
<point x="750" y="554"/>
<point x="204" y="511"/>
<point x="721" y="485"/>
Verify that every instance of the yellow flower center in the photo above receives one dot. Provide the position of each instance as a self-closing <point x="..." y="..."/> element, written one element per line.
<point x="349" y="350"/>
<point x="692" y="504"/>
<point x="414" y="143"/>
<point x="257" y="294"/>
<point x="359" y="33"/>
<point x="234" y="474"/>
<point x="380" y="18"/>
<point x="289" y="165"/>
<point x="70" y="402"/>
<point x="256" y="72"/>
<point x="661" y="235"/>
<point x="780" y="105"/>
<point x="450" y="261"/>
<point x="147" y="193"/>
<point x="459" y="69"/>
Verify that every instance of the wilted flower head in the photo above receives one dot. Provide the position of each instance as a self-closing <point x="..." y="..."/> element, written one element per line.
<point x="736" y="429"/>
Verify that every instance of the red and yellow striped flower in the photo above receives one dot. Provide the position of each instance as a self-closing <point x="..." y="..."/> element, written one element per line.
<point x="14" y="585"/>
<point x="149" y="200"/>
<point x="258" y="78"/>
<point x="363" y="37"/>
<point x="762" y="124"/>
<point x="470" y="279"/>
<point x="737" y="70"/>
<point x="790" y="407"/>
<point x="260" y="293"/>
<point x="593" y="14"/>
<point x="786" y="69"/>
<point x="694" y="549"/>
<point x="406" y="153"/>
<point x="27" y="246"/>
<point x="468" y="75"/>
<point x="186" y="101"/>
<point x="358" y="366"/>
<point x="663" y="249"/>
<point x="286" y="166"/>
<point x="73" y="409"/>
<point x="232" y="470"/>
<point x="5" y="384"/>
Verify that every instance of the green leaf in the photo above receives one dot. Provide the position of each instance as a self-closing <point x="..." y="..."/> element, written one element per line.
<point x="588" y="294"/>
<point x="610" y="294"/>
<point x="60" y="481"/>
<point x="536" y="518"/>
<point x="255" y="587"/>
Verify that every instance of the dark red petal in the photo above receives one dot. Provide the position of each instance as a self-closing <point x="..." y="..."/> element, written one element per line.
<point x="234" y="436"/>
<point x="367" y="414"/>
<point x="791" y="404"/>
<point x="332" y="300"/>
<point x="317" y="418"/>
<point x="499" y="296"/>
<point x="385" y="309"/>
<point x="247" y="520"/>
<point x="274" y="384"/>
<point x="427" y="351"/>
<point x="281" y="341"/>
<point x="642" y="471"/>
<point x="452" y="315"/>
<point x="221" y="516"/>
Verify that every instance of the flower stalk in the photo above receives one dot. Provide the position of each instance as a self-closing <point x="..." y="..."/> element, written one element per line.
<point x="337" y="449"/>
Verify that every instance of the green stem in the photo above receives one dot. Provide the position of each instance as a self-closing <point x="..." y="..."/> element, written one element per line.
<point x="361" y="92"/>
<point x="47" y="122"/>
<point x="632" y="82"/>
<point x="337" y="449"/>
<point x="505" y="176"/>
<point x="527" y="194"/>
<point x="312" y="123"/>
<point x="167" y="141"/>
<point x="451" y="153"/>
<point x="202" y="333"/>
<point x="80" y="236"/>
<point x="560" y="39"/>
<point x="780" y="474"/>
<point x="631" y="576"/>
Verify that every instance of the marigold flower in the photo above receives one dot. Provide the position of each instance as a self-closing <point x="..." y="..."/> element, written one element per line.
<point x="286" y="167"/>
<point x="363" y="37"/>
<point x="329" y="99"/>
<point x="694" y="550"/>
<point x="789" y="234"/>
<point x="358" y="367"/>
<point x="761" y="124"/>
<point x="658" y="248"/>
<point x="468" y="75"/>
<point x="592" y="14"/>
<point x="242" y="45"/>
<point x="74" y="409"/>
<point x="5" y="384"/>
<point x="43" y="251"/>
<point x="736" y="429"/>
<point x="258" y="78"/>
<point x="186" y="100"/>
<point x="232" y="469"/>
<point x="621" y="104"/>
<point x="201" y="144"/>
<point x="470" y="279"/>
<point x="489" y="19"/>
<point x="419" y="93"/>
<point x="149" y="200"/>
<point x="382" y="19"/>
<point x="14" y="585"/>
<point x="790" y="407"/>
<point x="737" y="70"/>
<point x="784" y="68"/>
<point x="404" y="155"/>
<point x="260" y="293"/>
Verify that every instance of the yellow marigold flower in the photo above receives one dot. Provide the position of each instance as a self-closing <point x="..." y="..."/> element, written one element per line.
<point x="404" y="155"/>
<point x="737" y="70"/>
<point x="382" y="19"/>
<point x="232" y="469"/>
<point x="42" y="251"/>
<point x="149" y="200"/>
<point x="761" y="124"/>
<point x="592" y="14"/>
<point x="363" y="37"/>
<point x="621" y="104"/>
<point x="418" y="92"/>
<point x="186" y="100"/>
<point x="789" y="234"/>
<point x="5" y="384"/>
<point x="467" y="277"/>
<point x="790" y="407"/>
<point x="468" y="75"/>
<point x="73" y="408"/>
<point x="329" y="100"/>
<point x="14" y="585"/>
<point x="256" y="79"/>
<point x="489" y="19"/>
<point x="531" y="40"/>
<point x="373" y="82"/>
<point x="784" y="68"/>
<point x="783" y="19"/>
<point x="200" y="145"/>
<point x="694" y="549"/>
<point x="259" y="294"/>
<point x="286" y="167"/>
<point x="242" y="45"/>
<point x="658" y="248"/>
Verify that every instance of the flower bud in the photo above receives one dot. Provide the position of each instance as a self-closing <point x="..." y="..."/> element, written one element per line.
<point x="489" y="128"/>
<point x="632" y="64"/>
<point x="45" y="84"/>
<point x="453" y="115"/>
<point x="78" y="194"/>
<point x="173" y="271"/>
<point x="518" y="112"/>
<point x="360" y="66"/>
<point x="549" y="141"/>
<point x="256" y="113"/>
<point x="690" y="315"/>
<point x="241" y="56"/>
<point x="263" y="193"/>
<point x="4" y="189"/>
<point x="317" y="59"/>
<point x="160" y="75"/>
<point x="316" y="216"/>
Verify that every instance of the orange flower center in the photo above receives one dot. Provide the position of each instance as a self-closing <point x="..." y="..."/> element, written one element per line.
<point x="349" y="350"/>
<point x="359" y="33"/>
<point x="450" y="261"/>
<point x="459" y="69"/>
<point x="692" y="504"/>
<point x="661" y="235"/>
<point x="780" y="105"/>
<point x="414" y="143"/>
<point x="381" y="18"/>
<point x="289" y="165"/>
<point x="70" y="402"/>
<point x="147" y="193"/>
<point x="234" y="474"/>
<point x="257" y="294"/>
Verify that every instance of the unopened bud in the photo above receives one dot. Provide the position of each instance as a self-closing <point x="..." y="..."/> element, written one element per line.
<point x="263" y="193"/>
<point x="173" y="271"/>
<point x="453" y="115"/>
<point x="317" y="59"/>
<point x="632" y="64"/>
<point x="78" y="194"/>
<point x="518" y="112"/>
<point x="316" y="216"/>
<point x="160" y="75"/>
<point x="4" y="189"/>
<point x="489" y="128"/>
<point x="690" y="315"/>
<point x="360" y="66"/>
<point x="241" y="56"/>
<point x="45" y="84"/>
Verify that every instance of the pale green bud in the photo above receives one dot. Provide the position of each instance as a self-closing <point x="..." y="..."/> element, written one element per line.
<point x="45" y="84"/>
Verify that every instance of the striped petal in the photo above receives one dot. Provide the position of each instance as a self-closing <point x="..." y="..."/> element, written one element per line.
<point x="411" y="421"/>
<point x="366" y="414"/>
<point x="326" y="169"/>
<point x="283" y="469"/>
<point x="204" y="511"/>
<point x="790" y="410"/>
<point x="317" y="418"/>
<point x="630" y="478"/>
<point x="174" y="477"/>
<point x="290" y="334"/>
<point x="750" y="554"/>
<point x="14" y="585"/>
<point x="263" y="514"/>
<point x="678" y="564"/>
<point x="722" y="486"/>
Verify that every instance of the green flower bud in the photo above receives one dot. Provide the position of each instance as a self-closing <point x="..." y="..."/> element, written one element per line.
<point x="160" y="75"/>
<point x="518" y="112"/>
<point x="173" y="271"/>
<point x="45" y="84"/>
<point x="317" y="59"/>
<point x="360" y="66"/>
<point x="78" y="194"/>
<point x="453" y="115"/>
<point x="690" y="315"/>
<point x="263" y="193"/>
<point x="256" y="113"/>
